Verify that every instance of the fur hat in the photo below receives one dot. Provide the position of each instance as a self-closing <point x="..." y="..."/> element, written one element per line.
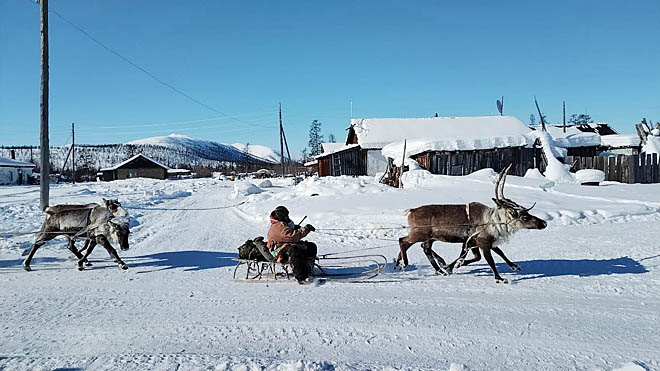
<point x="280" y="213"/>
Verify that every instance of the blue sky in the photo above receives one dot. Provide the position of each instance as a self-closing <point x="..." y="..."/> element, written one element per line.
<point x="391" y="58"/>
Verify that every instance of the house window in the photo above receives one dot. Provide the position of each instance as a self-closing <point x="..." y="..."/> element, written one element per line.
<point x="132" y="173"/>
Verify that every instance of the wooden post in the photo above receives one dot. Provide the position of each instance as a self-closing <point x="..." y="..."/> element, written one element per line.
<point x="44" y="144"/>
<point x="73" y="153"/>
<point x="403" y="162"/>
<point x="281" y="140"/>
<point x="564" y="109"/>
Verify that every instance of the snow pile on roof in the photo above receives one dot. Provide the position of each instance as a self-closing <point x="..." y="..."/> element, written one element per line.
<point x="620" y="140"/>
<point x="117" y="166"/>
<point x="335" y="149"/>
<point x="573" y="137"/>
<point x="452" y="133"/>
<point x="652" y="145"/>
<point x="331" y="147"/>
<point x="415" y="146"/>
<point x="7" y="162"/>
<point x="555" y="170"/>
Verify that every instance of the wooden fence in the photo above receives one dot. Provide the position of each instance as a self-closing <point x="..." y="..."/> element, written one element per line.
<point x="621" y="168"/>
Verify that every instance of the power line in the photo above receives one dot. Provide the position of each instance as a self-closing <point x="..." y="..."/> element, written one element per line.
<point x="143" y="70"/>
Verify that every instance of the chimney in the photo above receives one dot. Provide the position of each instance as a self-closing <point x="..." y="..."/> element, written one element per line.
<point x="13" y="154"/>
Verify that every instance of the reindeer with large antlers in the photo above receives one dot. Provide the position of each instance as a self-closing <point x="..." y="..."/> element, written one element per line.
<point x="475" y="225"/>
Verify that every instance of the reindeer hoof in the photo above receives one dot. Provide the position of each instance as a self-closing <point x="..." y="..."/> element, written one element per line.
<point x="123" y="266"/>
<point x="441" y="272"/>
<point x="515" y="267"/>
<point x="27" y="267"/>
<point x="81" y="268"/>
<point x="459" y="263"/>
<point x="501" y="280"/>
<point x="88" y="264"/>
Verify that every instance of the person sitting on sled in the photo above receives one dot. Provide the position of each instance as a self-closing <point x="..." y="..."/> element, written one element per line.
<point x="286" y="245"/>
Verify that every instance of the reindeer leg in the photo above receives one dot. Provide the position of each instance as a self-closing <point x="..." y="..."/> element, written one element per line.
<point x="111" y="250"/>
<point x="72" y="247"/>
<point x="42" y="238"/>
<point x="476" y="256"/>
<point x="404" y="245"/>
<point x="512" y="265"/>
<point x="84" y="249"/>
<point x="489" y="258"/>
<point x="461" y="258"/>
<point x="90" y="244"/>
<point x="426" y="246"/>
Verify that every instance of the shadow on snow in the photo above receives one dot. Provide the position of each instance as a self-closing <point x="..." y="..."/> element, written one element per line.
<point x="189" y="260"/>
<point x="532" y="269"/>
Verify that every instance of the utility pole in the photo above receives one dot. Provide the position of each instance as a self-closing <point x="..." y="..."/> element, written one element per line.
<point x="564" y="107"/>
<point x="73" y="153"/>
<point x="281" y="140"/>
<point x="44" y="182"/>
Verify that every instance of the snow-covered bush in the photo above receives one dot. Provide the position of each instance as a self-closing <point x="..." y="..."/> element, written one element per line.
<point x="242" y="189"/>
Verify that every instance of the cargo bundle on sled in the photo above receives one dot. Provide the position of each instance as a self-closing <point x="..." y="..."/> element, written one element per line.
<point x="255" y="264"/>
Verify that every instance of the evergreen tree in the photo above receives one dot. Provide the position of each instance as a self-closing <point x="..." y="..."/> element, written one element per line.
<point x="532" y="119"/>
<point x="315" y="138"/>
<point x="580" y="119"/>
<point x="331" y="138"/>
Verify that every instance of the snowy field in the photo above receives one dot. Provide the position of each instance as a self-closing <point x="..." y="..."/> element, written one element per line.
<point x="587" y="297"/>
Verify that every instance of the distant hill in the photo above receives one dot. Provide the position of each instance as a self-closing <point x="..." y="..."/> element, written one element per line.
<point x="173" y="150"/>
<point x="212" y="150"/>
<point x="261" y="152"/>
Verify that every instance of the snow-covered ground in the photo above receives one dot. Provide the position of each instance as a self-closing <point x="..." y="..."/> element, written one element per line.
<point x="586" y="298"/>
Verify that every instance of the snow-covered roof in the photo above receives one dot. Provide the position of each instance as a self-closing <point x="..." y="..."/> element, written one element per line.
<point x="620" y="140"/>
<point x="331" y="147"/>
<point x="336" y="149"/>
<point x="7" y="162"/>
<point x="311" y="163"/>
<point x="448" y="133"/>
<point x="115" y="167"/>
<point x="178" y="171"/>
<point x="573" y="137"/>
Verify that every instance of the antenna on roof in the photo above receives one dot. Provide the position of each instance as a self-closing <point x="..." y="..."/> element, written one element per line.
<point x="351" y="108"/>
<point x="500" y="105"/>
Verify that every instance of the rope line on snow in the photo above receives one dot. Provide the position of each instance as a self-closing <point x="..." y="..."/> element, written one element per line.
<point x="24" y="233"/>
<point x="186" y="209"/>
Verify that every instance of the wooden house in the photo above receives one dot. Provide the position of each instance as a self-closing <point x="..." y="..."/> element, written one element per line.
<point x="15" y="172"/>
<point x="444" y="145"/>
<point x="138" y="166"/>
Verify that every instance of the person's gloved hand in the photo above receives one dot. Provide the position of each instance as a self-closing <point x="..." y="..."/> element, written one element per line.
<point x="310" y="228"/>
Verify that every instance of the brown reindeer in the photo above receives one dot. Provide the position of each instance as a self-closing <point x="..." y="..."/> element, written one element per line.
<point x="475" y="225"/>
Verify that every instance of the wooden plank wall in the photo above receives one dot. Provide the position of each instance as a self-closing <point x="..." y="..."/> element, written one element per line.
<point x="351" y="162"/>
<point x="466" y="162"/>
<point x="621" y="168"/>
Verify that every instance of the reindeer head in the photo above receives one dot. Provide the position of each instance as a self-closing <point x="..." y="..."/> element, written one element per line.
<point x="119" y="231"/>
<point x="516" y="216"/>
<point x="115" y="207"/>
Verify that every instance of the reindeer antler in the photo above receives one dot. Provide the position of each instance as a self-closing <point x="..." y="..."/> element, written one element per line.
<point x="500" y="183"/>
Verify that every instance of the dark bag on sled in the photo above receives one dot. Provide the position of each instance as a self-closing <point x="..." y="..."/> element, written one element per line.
<point x="249" y="250"/>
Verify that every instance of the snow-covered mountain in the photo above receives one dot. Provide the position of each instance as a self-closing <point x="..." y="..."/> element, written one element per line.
<point x="172" y="150"/>
<point x="261" y="152"/>
<point x="211" y="150"/>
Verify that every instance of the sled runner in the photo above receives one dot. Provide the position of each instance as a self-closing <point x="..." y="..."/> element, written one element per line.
<point x="329" y="267"/>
